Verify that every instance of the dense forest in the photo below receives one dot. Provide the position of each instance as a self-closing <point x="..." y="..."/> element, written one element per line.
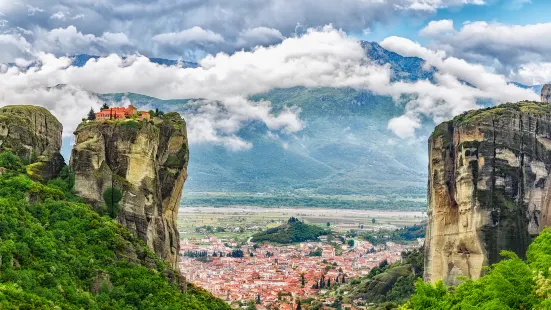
<point x="510" y="284"/>
<point x="401" y="235"/>
<point x="57" y="253"/>
<point x="387" y="286"/>
<point x="292" y="231"/>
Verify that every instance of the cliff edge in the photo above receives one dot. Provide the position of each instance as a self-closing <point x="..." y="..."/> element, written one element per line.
<point x="488" y="189"/>
<point x="147" y="161"/>
<point x="33" y="134"/>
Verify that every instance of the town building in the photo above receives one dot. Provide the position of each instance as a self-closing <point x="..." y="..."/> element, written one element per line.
<point x="122" y="113"/>
<point x="276" y="272"/>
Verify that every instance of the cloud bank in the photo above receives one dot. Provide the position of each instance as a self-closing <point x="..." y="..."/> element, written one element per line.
<point x="232" y="24"/>
<point x="321" y="57"/>
<point x="514" y="50"/>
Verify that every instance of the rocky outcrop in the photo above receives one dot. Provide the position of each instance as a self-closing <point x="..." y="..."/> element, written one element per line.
<point x="33" y="134"/>
<point x="147" y="161"/>
<point x="546" y="93"/>
<point x="489" y="188"/>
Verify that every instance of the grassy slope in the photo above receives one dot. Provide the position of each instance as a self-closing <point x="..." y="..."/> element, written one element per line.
<point x="56" y="253"/>
<point x="291" y="232"/>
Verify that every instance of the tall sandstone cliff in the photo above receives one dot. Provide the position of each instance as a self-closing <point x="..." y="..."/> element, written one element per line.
<point x="33" y="134"/>
<point x="546" y="93"/>
<point x="489" y="188"/>
<point x="148" y="162"/>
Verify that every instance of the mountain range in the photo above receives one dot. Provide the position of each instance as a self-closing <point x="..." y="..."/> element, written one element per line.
<point x="345" y="147"/>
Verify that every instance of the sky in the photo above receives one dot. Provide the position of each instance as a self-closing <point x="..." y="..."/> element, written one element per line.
<point x="244" y="47"/>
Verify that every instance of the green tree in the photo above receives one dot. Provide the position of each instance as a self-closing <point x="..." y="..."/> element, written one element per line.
<point x="251" y="305"/>
<point x="510" y="284"/>
<point x="105" y="106"/>
<point x="112" y="196"/>
<point x="317" y="252"/>
<point x="91" y="115"/>
<point x="328" y="224"/>
<point x="350" y="242"/>
<point x="10" y="161"/>
<point x="159" y="113"/>
<point x="373" y="220"/>
<point x="58" y="253"/>
<point x="298" y="305"/>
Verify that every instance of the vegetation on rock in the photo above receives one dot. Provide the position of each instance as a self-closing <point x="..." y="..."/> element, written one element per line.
<point x="57" y="253"/>
<point x="386" y="287"/>
<point x="293" y="231"/>
<point x="112" y="196"/>
<point x="510" y="284"/>
<point x="401" y="235"/>
<point x="531" y="107"/>
<point x="146" y="160"/>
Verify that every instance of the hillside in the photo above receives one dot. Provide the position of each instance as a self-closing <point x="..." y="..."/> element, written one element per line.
<point x="291" y="232"/>
<point x="510" y="284"/>
<point x="387" y="285"/>
<point x="345" y="147"/>
<point x="56" y="252"/>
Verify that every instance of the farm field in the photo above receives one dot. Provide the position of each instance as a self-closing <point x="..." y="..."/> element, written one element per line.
<point x="241" y="222"/>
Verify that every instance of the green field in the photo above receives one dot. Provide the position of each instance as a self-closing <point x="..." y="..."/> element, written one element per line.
<point x="281" y="200"/>
<point x="242" y="222"/>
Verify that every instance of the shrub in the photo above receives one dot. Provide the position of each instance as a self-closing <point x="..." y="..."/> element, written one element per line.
<point x="10" y="161"/>
<point x="52" y="249"/>
<point x="112" y="197"/>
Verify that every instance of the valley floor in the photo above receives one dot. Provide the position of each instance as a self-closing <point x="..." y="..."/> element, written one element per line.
<point x="242" y="222"/>
<point x="273" y="272"/>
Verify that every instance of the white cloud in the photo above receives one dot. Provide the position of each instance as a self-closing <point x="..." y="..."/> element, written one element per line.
<point x="191" y="35"/>
<point x="259" y="36"/>
<point x="70" y="40"/>
<point x="433" y="5"/>
<point x="218" y="122"/>
<point x="533" y="73"/>
<point x="58" y="15"/>
<point x="322" y="57"/>
<point x="438" y="27"/>
<point x="140" y="21"/>
<point x="506" y="47"/>
<point x="32" y="10"/>
<point x="404" y="126"/>
<point x="13" y="46"/>
<point x="62" y="16"/>
<point x="450" y="94"/>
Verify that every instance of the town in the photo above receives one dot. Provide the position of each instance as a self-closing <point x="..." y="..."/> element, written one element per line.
<point x="277" y="276"/>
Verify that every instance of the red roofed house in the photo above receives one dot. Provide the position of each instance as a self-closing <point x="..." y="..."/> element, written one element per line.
<point x="121" y="113"/>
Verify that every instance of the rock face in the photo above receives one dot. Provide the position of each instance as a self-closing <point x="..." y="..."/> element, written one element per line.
<point x="489" y="188"/>
<point x="546" y="93"/>
<point x="147" y="161"/>
<point x="33" y="134"/>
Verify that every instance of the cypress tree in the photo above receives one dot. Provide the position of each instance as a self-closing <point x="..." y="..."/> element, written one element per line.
<point x="91" y="115"/>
